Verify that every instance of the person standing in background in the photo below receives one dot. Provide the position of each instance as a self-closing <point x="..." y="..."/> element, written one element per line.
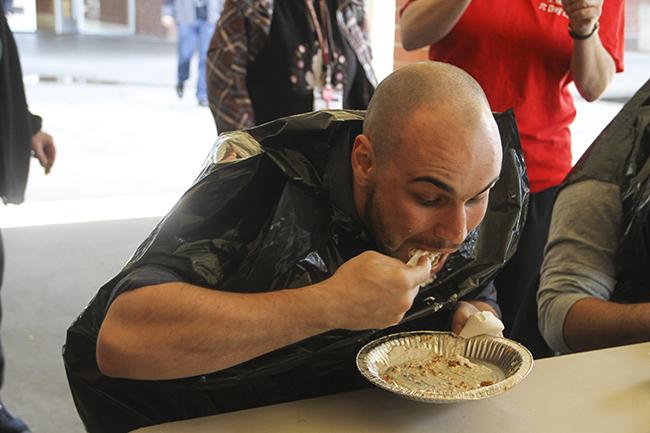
<point x="270" y="59"/>
<point x="20" y="135"/>
<point x="195" y="20"/>
<point x="525" y="54"/>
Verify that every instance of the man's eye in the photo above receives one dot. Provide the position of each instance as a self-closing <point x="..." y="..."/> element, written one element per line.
<point x="479" y="198"/>
<point x="429" y="201"/>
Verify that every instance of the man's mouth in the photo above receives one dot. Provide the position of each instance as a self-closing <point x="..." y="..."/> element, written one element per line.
<point x="416" y="253"/>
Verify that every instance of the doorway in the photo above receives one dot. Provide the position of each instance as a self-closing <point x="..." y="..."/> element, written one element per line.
<point x="105" y="17"/>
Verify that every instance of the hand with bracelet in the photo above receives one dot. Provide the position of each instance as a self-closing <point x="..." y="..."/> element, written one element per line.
<point x="592" y="67"/>
<point x="583" y="17"/>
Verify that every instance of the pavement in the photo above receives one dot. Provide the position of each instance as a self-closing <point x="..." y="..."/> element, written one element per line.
<point x="127" y="146"/>
<point x="127" y="149"/>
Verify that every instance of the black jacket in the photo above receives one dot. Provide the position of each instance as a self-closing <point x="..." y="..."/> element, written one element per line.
<point x="17" y="124"/>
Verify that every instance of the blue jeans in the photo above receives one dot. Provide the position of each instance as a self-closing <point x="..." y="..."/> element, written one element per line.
<point x="192" y="37"/>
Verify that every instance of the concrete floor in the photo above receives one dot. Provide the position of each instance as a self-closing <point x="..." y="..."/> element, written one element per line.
<point x="127" y="149"/>
<point x="52" y="272"/>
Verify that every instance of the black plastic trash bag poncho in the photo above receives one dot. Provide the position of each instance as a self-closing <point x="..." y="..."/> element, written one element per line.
<point x="621" y="156"/>
<point x="264" y="214"/>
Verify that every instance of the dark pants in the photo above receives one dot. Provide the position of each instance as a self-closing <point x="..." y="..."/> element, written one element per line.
<point x="2" y="271"/>
<point x="517" y="283"/>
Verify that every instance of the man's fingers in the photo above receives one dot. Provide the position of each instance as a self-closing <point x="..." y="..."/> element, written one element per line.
<point x="571" y="7"/>
<point x="40" y="155"/>
<point x="44" y="150"/>
<point x="456" y="328"/>
<point x="50" y="153"/>
<point x="419" y="273"/>
<point x="461" y="315"/>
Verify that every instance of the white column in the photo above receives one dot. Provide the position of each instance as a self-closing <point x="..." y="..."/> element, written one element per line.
<point x="381" y="15"/>
<point x="644" y="25"/>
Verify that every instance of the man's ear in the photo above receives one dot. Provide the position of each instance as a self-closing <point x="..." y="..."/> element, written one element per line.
<point x="363" y="160"/>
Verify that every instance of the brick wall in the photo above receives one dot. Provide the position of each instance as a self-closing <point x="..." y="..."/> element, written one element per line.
<point x="45" y="6"/>
<point x="403" y="57"/>
<point x="114" y="11"/>
<point x="147" y="18"/>
<point x="45" y="15"/>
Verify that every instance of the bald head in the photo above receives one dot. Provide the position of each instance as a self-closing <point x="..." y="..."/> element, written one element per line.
<point x="432" y="86"/>
<point x="427" y="159"/>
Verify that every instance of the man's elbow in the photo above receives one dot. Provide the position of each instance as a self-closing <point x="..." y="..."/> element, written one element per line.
<point x="591" y="91"/>
<point x="107" y="358"/>
<point x="408" y="42"/>
<point x="589" y="95"/>
<point x="409" y="37"/>
<point x="111" y="355"/>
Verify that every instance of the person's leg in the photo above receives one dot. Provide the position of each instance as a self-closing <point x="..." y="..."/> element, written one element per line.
<point x="205" y="35"/>
<point x="8" y="423"/>
<point x="517" y="283"/>
<point x="186" y="44"/>
<point x="2" y="272"/>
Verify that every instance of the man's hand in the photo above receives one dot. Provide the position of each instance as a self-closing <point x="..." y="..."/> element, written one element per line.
<point x="371" y="291"/>
<point x="583" y="14"/>
<point x="462" y="313"/>
<point x="464" y="310"/>
<point x="44" y="150"/>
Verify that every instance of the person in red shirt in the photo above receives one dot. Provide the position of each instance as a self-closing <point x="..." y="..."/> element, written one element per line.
<point x="525" y="54"/>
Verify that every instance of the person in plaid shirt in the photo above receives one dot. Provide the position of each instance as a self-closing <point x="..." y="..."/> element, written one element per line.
<point x="270" y="59"/>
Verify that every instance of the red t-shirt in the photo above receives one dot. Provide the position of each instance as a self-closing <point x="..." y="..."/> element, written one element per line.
<point x="520" y="53"/>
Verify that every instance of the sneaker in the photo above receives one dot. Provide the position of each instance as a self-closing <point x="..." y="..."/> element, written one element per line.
<point x="204" y="102"/>
<point x="10" y="424"/>
<point x="179" y="90"/>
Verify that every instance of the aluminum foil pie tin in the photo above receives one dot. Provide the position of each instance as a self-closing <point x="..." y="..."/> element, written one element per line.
<point x="508" y="362"/>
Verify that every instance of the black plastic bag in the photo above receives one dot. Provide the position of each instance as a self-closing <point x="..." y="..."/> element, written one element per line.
<point x="260" y="217"/>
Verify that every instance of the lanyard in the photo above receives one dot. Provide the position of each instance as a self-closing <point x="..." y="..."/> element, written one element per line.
<point x="323" y="38"/>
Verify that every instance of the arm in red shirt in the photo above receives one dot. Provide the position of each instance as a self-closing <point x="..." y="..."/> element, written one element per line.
<point x="592" y="67"/>
<point x="425" y="22"/>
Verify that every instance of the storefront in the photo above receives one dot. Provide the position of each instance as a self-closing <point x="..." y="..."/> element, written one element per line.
<point x="104" y="17"/>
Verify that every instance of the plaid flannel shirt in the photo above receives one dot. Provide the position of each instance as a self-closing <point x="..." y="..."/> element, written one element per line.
<point x="240" y="35"/>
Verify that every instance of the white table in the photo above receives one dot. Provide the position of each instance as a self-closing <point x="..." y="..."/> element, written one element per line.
<point x="601" y="391"/>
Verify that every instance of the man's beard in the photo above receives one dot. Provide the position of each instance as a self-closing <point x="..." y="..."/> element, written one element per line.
<point x="379" y="231"/>
<point x="376" y="225"/>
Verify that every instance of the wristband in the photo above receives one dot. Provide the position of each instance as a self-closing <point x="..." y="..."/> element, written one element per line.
<point x="580" y="37"/>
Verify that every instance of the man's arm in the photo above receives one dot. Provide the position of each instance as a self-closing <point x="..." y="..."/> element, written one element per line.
<point x="577" y="277"/>
<point x="178" y="330"/>
<point x="592" y="67"/>
<point x="593" y="323"/>
<point x="425" y="22"/>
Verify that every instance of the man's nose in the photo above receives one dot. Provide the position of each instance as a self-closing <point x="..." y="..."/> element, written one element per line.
<point x="453" y="226"/>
